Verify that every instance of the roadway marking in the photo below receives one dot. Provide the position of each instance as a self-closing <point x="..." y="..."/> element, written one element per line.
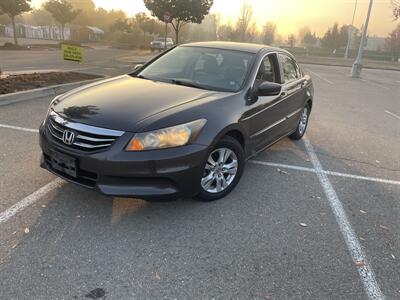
<point x="392" y="114"/>
<point x="364" y="269"/>
<point x="320" y="77"/>
<point x="29" y="200"/>
<point x="19" y="128"/>
<point x="332" y="173"/>
<point x="375" y="84"/>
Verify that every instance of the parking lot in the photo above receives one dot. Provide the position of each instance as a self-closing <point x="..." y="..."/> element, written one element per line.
<point x="313" y="219"/>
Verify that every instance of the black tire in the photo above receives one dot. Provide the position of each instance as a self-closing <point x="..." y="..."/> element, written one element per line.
<point x="301" y="128"/>
<point x="233" y="145"/>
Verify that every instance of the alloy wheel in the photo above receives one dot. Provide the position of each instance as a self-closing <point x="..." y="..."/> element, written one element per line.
<point x="220" y="170"/>
<point x="303" y="120"/>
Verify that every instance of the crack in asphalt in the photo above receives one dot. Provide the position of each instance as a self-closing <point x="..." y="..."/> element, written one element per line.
<point x="357" y="161"/>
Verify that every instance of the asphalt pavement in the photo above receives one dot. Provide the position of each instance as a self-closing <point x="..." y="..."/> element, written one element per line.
<point x="101" y="60"/>
<point x="312" y="219"/>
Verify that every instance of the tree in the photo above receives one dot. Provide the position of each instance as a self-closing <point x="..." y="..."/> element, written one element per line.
<point x="39" y="17"/>
<point x="62" y="12"/>
<point x="226" y="32"/>
<point x="144" y="23"/>
<point x="392" y="43"/>
<point x="121" y="25"/>
<point x="309" y="40"/>
<point x="291" y="40"/>
<point x="269" y="32"/>
<point x="396" y="9"/>
<point x="13" y="8"/>
<point x="246" y="29"/>
<point x="182" y="11"/>
<point x="333" y="38"/>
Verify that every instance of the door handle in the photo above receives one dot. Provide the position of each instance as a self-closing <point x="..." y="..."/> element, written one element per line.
<point x="284" y="94"/>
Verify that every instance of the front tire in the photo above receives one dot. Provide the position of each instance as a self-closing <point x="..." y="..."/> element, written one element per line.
<point x="223" y="170"/>
<point x="302" y="125"/>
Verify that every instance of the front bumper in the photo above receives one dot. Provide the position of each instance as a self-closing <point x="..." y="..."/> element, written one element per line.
<point x="150" y="175"/>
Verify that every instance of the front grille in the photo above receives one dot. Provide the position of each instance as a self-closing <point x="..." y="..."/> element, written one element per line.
<point x="87" y="138"/>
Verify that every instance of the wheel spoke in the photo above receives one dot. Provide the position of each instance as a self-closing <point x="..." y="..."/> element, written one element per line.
<point x="224" y="182"/>
<point x="221" y="153"/>
<point x="231" y="168"/>
<point x="211" y="161"/>
<point x="219" y="184"/>
<point x="227" y="154"/>
<point x="207" y="181"/>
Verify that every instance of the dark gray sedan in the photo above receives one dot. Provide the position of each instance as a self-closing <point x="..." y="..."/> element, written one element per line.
<point x="181" y="125"/>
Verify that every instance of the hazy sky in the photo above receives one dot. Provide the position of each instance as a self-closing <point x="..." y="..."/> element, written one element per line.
<point x="289" y="15"/>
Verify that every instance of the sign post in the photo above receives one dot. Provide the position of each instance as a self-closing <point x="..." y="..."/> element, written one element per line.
<point x="167" y="19"/>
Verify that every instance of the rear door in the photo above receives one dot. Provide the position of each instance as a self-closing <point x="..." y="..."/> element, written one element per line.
<point x="293" y="90"/>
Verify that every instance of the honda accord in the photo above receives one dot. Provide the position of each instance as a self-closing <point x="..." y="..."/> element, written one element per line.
<point x="181" y="125"/>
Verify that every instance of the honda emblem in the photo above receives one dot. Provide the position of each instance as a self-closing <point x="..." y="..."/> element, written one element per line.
<point x="68" y="137"/>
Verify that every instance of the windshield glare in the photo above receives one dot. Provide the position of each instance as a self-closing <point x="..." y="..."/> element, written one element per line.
<point x="216" y="69"/>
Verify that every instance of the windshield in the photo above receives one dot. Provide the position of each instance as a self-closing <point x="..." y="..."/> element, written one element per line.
<point x="215" y="69"/>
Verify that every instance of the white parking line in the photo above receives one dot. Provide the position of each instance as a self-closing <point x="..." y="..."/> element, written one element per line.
<point x="332" y="173"/>
<point x="364" y="269"/>
<point x="29" y="200"/>
<point x="19" y="128"/>
<point x="320" y="77"/>
<point x="392" y="114"/>
<point x="375" y="84"/>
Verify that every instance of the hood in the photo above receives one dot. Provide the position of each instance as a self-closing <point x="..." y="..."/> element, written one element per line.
<point x="120" y="103"/>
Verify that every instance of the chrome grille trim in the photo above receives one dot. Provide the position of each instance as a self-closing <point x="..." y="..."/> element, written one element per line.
<point x="88" y="138"/>
<point x="85" y="128"/>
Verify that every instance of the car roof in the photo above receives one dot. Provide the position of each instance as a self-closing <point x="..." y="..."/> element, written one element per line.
<point x="246" y="47"/>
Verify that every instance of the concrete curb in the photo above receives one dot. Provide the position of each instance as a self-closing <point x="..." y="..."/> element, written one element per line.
<point x="53" y="90"/>
<point x="394" y="69"/>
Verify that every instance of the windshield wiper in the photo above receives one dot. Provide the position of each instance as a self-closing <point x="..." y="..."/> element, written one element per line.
<point x="141" y="77"/>
<point x="188" y="84"/>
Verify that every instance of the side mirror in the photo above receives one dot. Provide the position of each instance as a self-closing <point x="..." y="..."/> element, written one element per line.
<point x="268" y="89"/>
<point x="137" y="67"/>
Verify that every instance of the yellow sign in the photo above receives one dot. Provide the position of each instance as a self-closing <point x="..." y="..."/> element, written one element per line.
<point x="72" y="53"/>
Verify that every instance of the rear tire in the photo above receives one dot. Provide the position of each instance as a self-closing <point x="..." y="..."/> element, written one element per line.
<point x="302" y="125"/>
<point x="223" y="170"/>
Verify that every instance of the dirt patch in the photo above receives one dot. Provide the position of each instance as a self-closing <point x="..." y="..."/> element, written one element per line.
<point x="23" y="82"/>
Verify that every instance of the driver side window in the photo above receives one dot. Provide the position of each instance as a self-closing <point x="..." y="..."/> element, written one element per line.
<point x="267" y="70"/>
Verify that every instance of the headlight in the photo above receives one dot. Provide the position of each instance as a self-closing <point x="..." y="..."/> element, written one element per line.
<point x="174" y="136"/>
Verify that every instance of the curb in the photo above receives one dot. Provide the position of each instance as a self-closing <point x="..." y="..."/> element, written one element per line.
<point x="347" y="66"/>
<point x="53" y="90"/>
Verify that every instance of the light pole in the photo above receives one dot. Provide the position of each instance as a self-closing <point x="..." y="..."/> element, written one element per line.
<point x="357" y="66"/>
<point x="349" y="31"/>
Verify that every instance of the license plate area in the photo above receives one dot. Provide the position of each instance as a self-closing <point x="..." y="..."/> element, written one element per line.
<point x="64" y="163"/>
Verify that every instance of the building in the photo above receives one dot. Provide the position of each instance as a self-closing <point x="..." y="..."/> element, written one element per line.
<point x="90" y="33"/>
<point x="375" y="44"/>
<point x="51" y="32"/>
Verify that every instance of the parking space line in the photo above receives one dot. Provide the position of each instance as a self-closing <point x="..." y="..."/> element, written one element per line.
<point x="375" y="84"/>
<point x="29" y="200"/>
<point x="320" y="77"/>
<point x="283" y="166"/>
<point x="373" y="179"/>
<point x="364" y="269"/>
<point x="392" y="114"/>
<point x="19" y="128"/>
<point x="331" y="173"/>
